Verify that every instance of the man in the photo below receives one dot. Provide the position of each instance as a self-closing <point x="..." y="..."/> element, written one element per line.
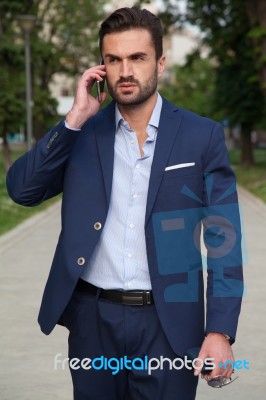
<point x="137" y="178"/>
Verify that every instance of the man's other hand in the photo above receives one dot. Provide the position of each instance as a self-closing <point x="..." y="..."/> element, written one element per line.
<point x="216" y="346"/>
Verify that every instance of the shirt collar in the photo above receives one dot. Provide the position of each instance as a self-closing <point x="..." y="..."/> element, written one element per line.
<point x="155" y="117"/>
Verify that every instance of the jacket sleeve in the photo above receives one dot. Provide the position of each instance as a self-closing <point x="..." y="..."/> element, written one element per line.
<point x="222" y="238"/>
<point x="38" y="175"/>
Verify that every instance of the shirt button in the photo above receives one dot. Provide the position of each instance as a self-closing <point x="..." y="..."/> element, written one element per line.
<point x="97" y="226"/>
<point x="135" y="196"/>
<point x="132" y="141"/>
<point x="131" y="226"/>
<point x="129" y="255"/>
<point x="81" y="261"/>
<point x="137" y="166"/>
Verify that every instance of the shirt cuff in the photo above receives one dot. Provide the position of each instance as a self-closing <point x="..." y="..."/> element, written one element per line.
<point x="68" y="127"/>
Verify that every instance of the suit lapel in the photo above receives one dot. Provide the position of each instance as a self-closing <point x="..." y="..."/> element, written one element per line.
<point x="105" y="137"/>
<point x="167" y="131"/>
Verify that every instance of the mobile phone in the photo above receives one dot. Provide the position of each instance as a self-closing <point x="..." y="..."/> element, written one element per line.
<point x="100" y="85"/>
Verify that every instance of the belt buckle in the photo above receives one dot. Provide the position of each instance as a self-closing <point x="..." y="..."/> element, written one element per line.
<point x="132" y="300"/>
<point x="148" y="297"/>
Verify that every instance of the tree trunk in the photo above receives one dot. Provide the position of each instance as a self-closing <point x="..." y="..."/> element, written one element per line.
<point x="6" y="153"/>
<point x="247" y="158"/>
<point x="257" y="15"/>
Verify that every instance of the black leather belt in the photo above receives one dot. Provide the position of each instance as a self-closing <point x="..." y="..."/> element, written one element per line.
<point x="130" y="298"/>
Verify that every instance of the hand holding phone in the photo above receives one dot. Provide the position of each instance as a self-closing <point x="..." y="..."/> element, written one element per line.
<point x="85" y="105"/>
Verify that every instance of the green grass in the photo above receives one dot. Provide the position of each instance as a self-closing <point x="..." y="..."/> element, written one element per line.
<point x="12" y="214"/>
<point x="252" y="178"/>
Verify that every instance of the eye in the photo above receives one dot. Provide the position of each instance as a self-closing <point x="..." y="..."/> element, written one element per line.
<point x="113" y="60"/>
<point x="137" y="57"/>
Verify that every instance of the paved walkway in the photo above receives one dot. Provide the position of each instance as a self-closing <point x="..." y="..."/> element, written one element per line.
<point x="27" y="371"/>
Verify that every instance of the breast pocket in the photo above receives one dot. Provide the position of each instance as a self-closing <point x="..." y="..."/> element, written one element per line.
<point x="180" y="189"/>
<point x="180" y="173"/>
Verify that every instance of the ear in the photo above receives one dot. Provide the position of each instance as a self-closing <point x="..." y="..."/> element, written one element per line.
<point x="161" y="66"/>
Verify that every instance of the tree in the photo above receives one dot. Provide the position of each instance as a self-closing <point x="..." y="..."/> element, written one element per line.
<point x="192" y="85"/>
<point x="11" y="81"/>
<point x="226" y="30"/>
<point x="63" y="41"/>
<point x="256" y="10"/>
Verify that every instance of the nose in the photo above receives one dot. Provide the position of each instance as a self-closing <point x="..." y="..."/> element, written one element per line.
<point x="126" y="69"/>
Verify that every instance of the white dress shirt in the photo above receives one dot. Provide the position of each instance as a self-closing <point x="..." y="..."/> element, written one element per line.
<point x="120" y="260"/>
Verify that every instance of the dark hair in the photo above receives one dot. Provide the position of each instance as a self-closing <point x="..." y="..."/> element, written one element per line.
<point x="127" y="18"/>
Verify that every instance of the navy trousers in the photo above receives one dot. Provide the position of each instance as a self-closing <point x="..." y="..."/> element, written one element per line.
<point x="102" y="332"/>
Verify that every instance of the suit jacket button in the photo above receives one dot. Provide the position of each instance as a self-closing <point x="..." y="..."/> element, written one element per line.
<point x="97" y="226"/>
<point x="81" y="261"/>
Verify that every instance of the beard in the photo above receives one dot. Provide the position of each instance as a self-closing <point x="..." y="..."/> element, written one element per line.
<point x="146" y="90"/>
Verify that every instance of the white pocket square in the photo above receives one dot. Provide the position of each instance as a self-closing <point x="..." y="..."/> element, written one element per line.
<point x="184" y="165"/>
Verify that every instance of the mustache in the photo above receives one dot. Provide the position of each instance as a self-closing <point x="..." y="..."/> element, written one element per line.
<point x="127" y="80"/>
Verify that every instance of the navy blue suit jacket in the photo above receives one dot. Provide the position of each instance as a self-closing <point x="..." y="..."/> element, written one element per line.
<point x="80" y="164"/>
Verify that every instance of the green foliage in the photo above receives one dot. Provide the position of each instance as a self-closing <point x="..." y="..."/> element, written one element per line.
<point x="227" y="32"/>
<point x="11" y="88"/>
<point x="64" y="40"/>
<point x="252" y="178"/>
<point x="238" y="92"/>
<point x="257" y="32"/>
<point x="193" y="86"/>
<point x="11" y="83"/>
<point x="68" y="31"/>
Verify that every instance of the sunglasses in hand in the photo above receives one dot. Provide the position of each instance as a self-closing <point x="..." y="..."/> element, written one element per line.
<point x="219" y="381"/>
